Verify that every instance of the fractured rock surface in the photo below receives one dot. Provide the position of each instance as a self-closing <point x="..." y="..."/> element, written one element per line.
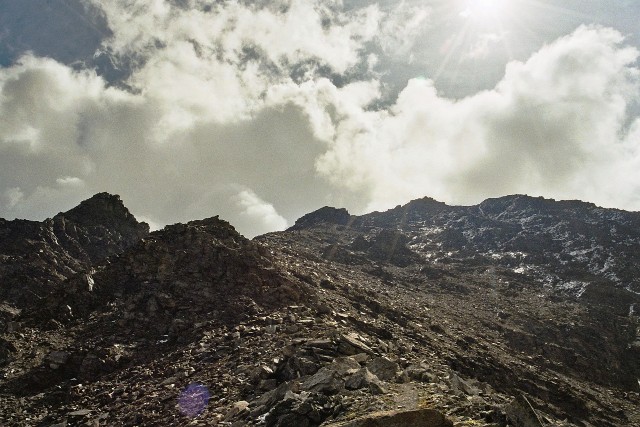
<point x="36" y="257"/>
<point x="519" y="311"/>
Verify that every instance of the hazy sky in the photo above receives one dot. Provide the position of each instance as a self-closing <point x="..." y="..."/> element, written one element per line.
<point x="261" y="111"/>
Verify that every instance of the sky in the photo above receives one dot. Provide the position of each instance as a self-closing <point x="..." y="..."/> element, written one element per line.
<point x="262" y="111"/>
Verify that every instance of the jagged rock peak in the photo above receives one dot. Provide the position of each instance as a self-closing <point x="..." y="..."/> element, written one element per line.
<point x="103" y="209"/>
<point x="424" y="204"/>
<point x="324" y="215"/>
<point x="426" y="201"/>
<point x="213" y="226"/>
<point x="189" y="268"/>
<point x="518" y="206"/>
<point x="67" y="244"/>
<point x="415" y="210"/>
<point x="522" y="201"/>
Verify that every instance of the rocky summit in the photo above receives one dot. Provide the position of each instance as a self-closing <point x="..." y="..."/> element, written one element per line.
<point x="519" y="312"/>
<point x="36" y="257"/>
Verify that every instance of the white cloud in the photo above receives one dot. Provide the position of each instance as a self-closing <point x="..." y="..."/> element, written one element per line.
<point x="402" y="27"/>
<point x="551" y="127"/>
<point x="70" y="181"/>
<point x="203" y="116"/>
<point x="262" y="215"/>
<point x="215" y="62"/>
<point x="287" y="32"/>
<point x="230" y="114"/>
<point x="13" y="196"/>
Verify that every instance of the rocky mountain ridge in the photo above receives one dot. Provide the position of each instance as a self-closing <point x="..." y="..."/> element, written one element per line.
<point x="569" y="238"/>
<point x="36" y="257"/>
<point x="519" y="311"/>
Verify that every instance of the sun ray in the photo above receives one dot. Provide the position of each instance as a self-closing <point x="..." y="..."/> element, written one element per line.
<point x="485" y="10"/>
<point x="454" y="47"/>
<point x="481" y="32"/>
<point x="555" y="9"/>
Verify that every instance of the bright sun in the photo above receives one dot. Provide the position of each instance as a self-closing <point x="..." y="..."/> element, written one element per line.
<point x="485" y="10"/>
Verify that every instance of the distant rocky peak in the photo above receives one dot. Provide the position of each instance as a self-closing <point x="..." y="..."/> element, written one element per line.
<point x="325" y="215"/>
<point x="514" y="202"/>
<point x="519" y="205"/>
<point x="213" y="226"/>
<point x="103" y="209"/>
<point x="37" y="257"/>
<point x="422" y="206"/>
<point x="426" y="202"/>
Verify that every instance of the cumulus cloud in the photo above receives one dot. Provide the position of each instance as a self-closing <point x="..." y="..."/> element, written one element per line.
<point x="211" y="105"/>
<point x="260" y="215"/>
<point x="402" y="27"/>
<point x="13" y="196"/>
<point x="552" y="126"/>
<point x="262" y="111"/>
<point x="65" y="135"/>
<point x="45" y="109"/>
<point x="284" y="32"/>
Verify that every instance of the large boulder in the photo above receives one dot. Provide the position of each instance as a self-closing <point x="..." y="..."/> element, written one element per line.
<point x="414" y="418"/>
<point x="384" y="368"/>
<point x="326" y="381"/>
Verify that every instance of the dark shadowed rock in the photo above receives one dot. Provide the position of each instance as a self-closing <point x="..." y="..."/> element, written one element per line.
<point x="383" y="368"/>
<point x="326" y="381"/>
<point x="521" y="414"/>
<point x="365" y="379"/>
<point x="180" y="274"/>
<point x="36" y="257"/>
<point x="325" y="215"/>
<point x="459" y="309"/>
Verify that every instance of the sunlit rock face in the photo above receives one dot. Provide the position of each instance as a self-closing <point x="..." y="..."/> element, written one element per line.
<point x="516" y="245"/>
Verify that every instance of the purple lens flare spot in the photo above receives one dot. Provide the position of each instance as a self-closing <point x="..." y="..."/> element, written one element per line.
<point x="194" y="400"/>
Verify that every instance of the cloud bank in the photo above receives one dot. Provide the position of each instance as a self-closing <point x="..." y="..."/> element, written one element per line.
<point x="556" y="125"/>
<point x="261" y="112"/>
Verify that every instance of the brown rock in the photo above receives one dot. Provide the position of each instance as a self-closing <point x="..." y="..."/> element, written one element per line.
<point x="350" y="344"/>
<point x="325" y="381"/>
<point x="365" y="379"/>
<point x="383" y="368"/>
<point x="521" y="413"/>
<point x="415" y="418"/>
<point x="345" y="365"/>
<point x="237" y="409"/>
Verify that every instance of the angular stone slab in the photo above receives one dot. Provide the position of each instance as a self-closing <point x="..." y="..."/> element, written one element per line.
<point x="414" y="418"/>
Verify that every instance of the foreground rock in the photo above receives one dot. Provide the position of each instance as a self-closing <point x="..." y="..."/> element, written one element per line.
<point x="181" y="275"/>
<point x="426" y="314"/>
<point x="415" y="418"/>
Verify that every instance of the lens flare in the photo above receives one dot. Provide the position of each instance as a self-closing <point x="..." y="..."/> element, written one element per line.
<point x="194" y="400"/>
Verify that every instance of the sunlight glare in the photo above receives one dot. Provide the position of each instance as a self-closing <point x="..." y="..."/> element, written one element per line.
<point x="484" y="10"/>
